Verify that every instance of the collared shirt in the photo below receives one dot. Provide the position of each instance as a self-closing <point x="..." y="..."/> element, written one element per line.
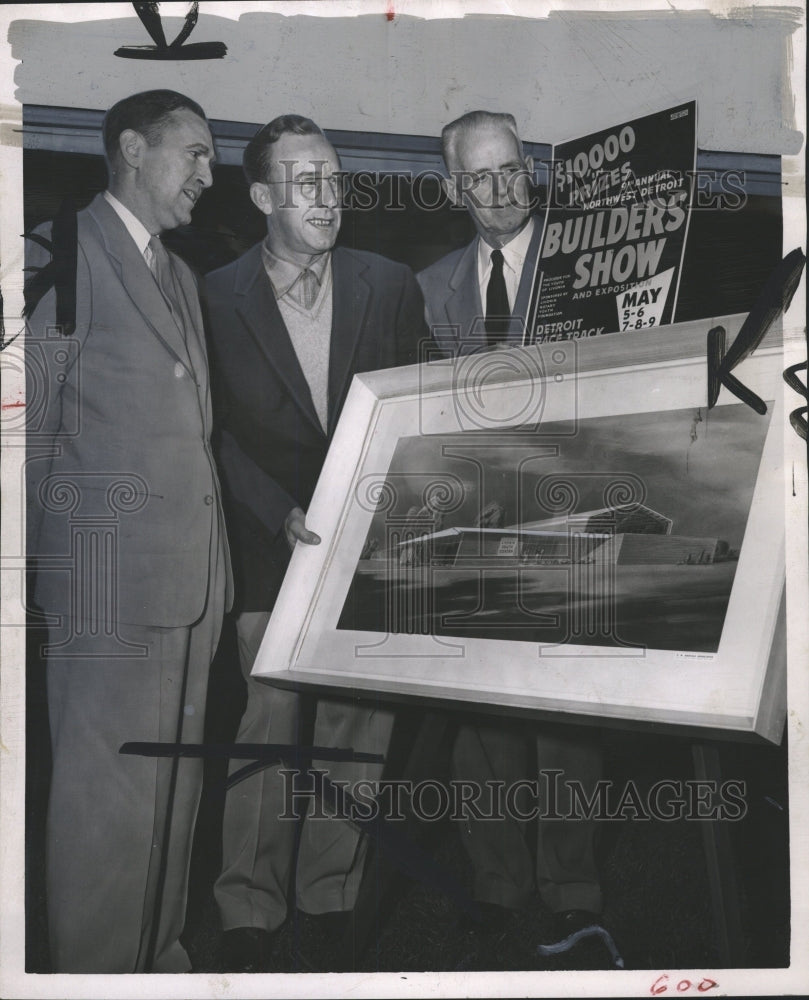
<point x="309" y="329"/>
<point x="514" y="254"/>
<point x="136" y="229"/>
<point x="285" y="276"/>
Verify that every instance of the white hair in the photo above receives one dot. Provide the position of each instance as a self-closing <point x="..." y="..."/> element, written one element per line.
<point x="463" y="126"/>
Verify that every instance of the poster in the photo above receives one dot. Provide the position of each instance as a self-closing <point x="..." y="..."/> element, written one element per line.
<point x="616" y="228"/>
<point x="383" y="78"/>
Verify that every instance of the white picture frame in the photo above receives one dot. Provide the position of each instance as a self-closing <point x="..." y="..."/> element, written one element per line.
<point x="738" y="688"/>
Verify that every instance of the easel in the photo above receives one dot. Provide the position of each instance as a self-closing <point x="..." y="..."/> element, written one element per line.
<point x="435" y="726"/>
<point x="382" y="877"/>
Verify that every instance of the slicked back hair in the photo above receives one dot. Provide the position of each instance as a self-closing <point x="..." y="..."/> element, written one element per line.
<point x="451" y="134"/>
<point x="147" y="113"/>
<point x="257" y="158"/>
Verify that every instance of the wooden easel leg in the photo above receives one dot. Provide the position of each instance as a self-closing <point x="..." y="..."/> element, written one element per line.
<point x="381" y="877"/>
<point x="719" y="862"/>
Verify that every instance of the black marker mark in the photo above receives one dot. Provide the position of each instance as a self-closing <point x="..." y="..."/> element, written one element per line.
<point x="149" y="13"/>
<point x="399" y="850"/>
<point x="798" y="417"/>
<point x="774" y="299"/>
<point x="3" y="342"/>
<point x="267" y="753"/>
<point x="60" y="272"/>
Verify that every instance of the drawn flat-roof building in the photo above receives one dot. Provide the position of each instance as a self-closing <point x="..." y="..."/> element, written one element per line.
<point x="627" y="534"/>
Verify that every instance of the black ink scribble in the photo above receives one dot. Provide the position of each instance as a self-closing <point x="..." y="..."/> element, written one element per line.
<point x="694" y="434"/>
<point x="774" y="299"/>
<point x="3" y="342"/>
<point x="149" y="13"/>
<point x="798" y="417"/>
<point x="399" y="850"/>
<point x="60" y="272"/>
<point x="262" y="755"/>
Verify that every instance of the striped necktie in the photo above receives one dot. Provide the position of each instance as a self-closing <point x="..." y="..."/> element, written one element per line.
<point x="160" y="266"/>
<point x="308" y="287"/>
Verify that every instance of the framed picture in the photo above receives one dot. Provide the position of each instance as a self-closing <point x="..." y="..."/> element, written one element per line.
<point x="564" y="528"/>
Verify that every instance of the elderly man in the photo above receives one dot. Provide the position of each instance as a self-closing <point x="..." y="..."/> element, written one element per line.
<point x="291" y="321"/>
<point x="477" y="298"/>
<point x="128" y="542"/>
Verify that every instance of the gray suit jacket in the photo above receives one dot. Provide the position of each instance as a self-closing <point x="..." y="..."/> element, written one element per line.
<point x="452" y="300"/>
<point x="119" y="423"/>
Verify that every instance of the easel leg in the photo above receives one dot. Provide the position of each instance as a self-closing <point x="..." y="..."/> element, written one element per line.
<point x="381" y="877"/>
<point x="719" y="862"/>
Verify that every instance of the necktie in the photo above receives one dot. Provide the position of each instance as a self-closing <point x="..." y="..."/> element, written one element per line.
<point x="308" y="288"/>
<point x="498" y="312"/>
<point x="160" y="266"/>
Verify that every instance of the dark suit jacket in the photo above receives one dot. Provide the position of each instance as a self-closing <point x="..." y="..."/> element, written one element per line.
<point x="271" y="446"/>
<point x="454" y="311"/>
<point x="119" y="423"/>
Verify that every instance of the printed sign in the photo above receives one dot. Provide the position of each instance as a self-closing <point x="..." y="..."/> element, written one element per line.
<point x="615" y="229"/>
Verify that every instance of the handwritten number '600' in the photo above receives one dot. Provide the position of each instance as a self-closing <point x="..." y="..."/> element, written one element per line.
<point x="660" y="985"/>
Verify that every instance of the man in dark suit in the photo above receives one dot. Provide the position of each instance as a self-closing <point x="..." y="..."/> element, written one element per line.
<point x="476" y="299"/>
<point x="128" y="543"/>
<point x="291" y="321"/>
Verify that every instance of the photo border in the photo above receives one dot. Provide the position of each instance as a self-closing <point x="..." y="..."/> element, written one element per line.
<point x="14" y="981"/>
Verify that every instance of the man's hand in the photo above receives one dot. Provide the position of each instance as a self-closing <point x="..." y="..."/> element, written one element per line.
<point x="296" y="530"/>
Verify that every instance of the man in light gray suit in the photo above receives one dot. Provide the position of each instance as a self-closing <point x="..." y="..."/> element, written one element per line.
<point x="477" y="298"/>
<point x="127" y="539"/>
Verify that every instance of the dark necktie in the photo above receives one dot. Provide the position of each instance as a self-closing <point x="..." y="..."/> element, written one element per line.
<point x="498" y="312"/>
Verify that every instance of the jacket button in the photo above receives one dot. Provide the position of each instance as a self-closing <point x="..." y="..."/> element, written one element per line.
<point x="179" y="371"/>
<point x="208" y="500"/>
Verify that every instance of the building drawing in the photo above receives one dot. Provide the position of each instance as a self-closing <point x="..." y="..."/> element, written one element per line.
<point x="621" y="535"/>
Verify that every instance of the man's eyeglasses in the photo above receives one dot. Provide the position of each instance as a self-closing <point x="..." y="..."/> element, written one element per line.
<point x="495" y="178"/>
<point x="314" y="188"/>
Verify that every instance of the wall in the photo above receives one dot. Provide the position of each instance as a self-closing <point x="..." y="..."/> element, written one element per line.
<point x="562" y="72"/>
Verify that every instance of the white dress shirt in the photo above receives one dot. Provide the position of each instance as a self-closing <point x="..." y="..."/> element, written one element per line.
<point x="136" y="229"/>
<point x="514" y="254"/>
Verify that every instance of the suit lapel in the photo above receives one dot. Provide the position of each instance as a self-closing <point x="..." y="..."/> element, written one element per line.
<point x="195" y="341"/>
<point x="194" y="334"/>
<point x="523" y="302"/>
<point x="463" y="303"/>
<point x="256" y="305"/>
<point x="351" y="295"/>
<point x="137" y="279"/>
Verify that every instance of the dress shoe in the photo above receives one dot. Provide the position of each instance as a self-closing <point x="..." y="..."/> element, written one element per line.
<point x="320" y="942"/>
<point x="246" y="949"/>
<point x="572" y="921"/>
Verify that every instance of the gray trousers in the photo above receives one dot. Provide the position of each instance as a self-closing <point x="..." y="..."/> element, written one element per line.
<point x="106" y="829"/>
<point x="505" y="871"/>
<point x="259" y="825"/>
